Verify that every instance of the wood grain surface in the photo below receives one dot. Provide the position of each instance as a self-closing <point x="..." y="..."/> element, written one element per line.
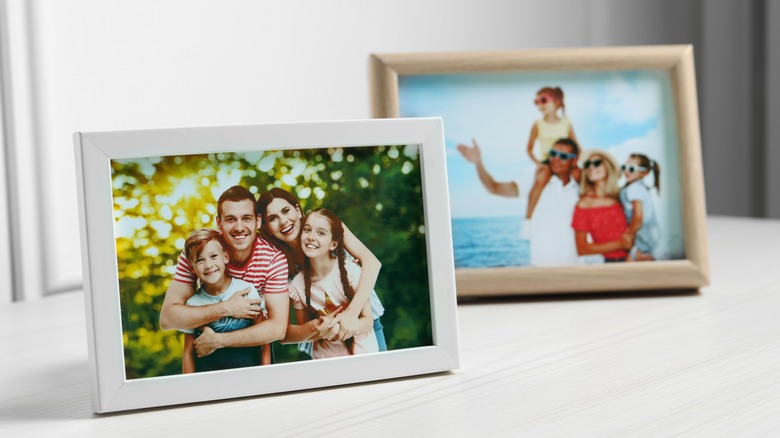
<point x="642" y="363"/>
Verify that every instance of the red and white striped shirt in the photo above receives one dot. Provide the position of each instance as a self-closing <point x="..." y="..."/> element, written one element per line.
<point x="266" y="269"/>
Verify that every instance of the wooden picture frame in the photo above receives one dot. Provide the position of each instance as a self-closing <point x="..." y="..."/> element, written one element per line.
<point x="670" y="63"/>
<point x="124" y="212"/>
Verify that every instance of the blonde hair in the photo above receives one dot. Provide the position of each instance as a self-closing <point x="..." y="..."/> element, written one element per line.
<point x="611" y="187"/>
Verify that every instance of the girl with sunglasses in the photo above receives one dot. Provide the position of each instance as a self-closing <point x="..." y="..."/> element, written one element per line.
<point x="638" y="205"/>
<point x="598" y="213"/>
<point x="546" y="131"/>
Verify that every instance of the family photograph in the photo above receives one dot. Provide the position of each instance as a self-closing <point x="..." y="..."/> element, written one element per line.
<point x="557" y="168"/>
<point x="235" y="260"/>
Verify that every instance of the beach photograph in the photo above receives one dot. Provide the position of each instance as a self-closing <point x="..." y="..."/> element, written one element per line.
<point x="520" y="198"/>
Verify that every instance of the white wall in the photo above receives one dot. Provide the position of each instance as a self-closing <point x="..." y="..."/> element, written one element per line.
<point x="88" y="65"/>
<point x="17" y="144"/>
<point x="109" y="64"/>
<point x="6" y="282"/>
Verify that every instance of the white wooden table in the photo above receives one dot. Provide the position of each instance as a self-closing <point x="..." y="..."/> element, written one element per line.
<point x="641" y="364"/>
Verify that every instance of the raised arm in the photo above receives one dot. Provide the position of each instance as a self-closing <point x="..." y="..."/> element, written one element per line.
<point x="473" y="154"/>
<point x="176" y="314"/>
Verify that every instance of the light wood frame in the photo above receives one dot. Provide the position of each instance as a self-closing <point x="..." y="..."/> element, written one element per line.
<point x="690" y="273"/>
<point x="112" y="391"/>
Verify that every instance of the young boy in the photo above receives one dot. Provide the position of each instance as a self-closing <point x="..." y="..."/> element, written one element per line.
<point x="208" y="255"/>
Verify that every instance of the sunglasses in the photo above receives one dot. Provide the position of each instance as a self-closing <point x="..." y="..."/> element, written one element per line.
<point x="542" y="100"/>
<point x="595" y="163"/>
<point x="630" y="168"/>
<point x="561" y="155"/>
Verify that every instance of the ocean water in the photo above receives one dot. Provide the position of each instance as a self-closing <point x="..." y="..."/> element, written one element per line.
<point x="489" y="243"/>
<point x="495" y="242"/>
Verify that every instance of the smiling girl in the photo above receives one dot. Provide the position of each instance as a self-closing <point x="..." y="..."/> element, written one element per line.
<point x="323" y="288"/>
<point x="638" y="205"/>
<point x="281" y="225"/>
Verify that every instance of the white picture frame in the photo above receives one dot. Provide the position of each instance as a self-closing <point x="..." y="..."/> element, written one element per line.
<point x="113" y="391"/>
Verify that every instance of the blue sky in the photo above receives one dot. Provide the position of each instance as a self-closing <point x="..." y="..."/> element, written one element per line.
<point x="620" y="111"/>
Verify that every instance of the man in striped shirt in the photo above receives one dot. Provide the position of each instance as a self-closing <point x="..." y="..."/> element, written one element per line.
<point x="252" y="259"/>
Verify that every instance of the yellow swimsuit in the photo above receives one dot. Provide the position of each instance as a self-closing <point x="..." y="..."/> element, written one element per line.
<point x="548" y="133"/>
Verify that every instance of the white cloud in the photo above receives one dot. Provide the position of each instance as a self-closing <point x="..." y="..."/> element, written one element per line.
<point x="632" y="102"/>
<point x="651" y="144"/>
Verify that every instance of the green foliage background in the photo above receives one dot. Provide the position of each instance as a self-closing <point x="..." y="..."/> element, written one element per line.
<point x="158" y="201"/>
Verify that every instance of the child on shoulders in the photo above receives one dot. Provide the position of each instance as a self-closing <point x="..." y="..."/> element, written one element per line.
<point x="545" y="132"/>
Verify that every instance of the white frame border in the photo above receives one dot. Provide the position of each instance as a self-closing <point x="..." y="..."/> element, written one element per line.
<point x="112" y="392"/>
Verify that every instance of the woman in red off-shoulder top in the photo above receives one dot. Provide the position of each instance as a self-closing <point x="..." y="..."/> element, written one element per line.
<point x="598" y="212"/>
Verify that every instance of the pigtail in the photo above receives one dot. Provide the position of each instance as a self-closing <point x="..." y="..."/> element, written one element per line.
<point x="337" y="231"/>
<point x="651" y="165"/>
<point x="307" y="286"/>
<point x="348" y="291"/>
<point x="559" y="95"/>
<point x="656" y="175"/>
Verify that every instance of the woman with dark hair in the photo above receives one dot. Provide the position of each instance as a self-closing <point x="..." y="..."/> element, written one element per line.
<point x="282" y="225"/>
